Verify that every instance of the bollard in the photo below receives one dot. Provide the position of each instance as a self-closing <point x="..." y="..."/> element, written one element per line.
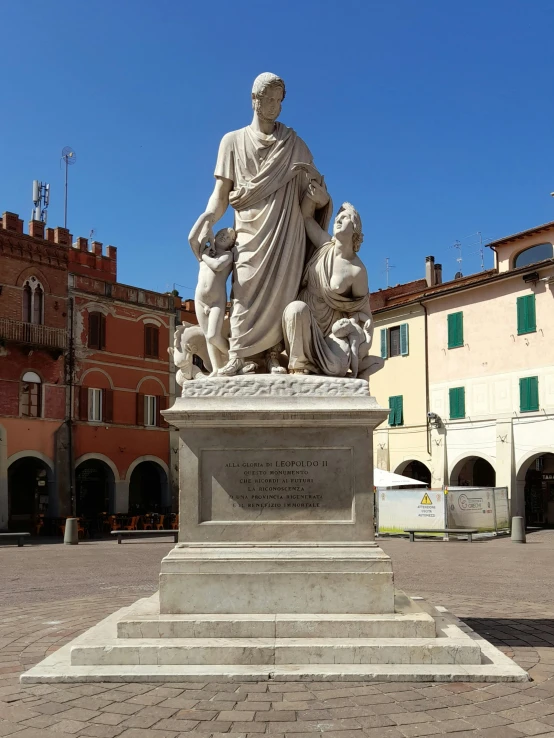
<point x="71" y="535"/>
<point x="518" y="529"/>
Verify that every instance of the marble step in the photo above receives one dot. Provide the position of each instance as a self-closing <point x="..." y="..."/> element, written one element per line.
<point x="274" y="651"/>
<point x="60" y="671"/>
<point x="409" y="625"/>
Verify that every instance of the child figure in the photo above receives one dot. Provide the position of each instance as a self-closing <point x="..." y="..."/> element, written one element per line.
<point x="210" y="297"/>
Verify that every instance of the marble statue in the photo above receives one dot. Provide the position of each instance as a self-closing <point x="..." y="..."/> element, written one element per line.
<point x="329" y="329"/>
<point x="300" y="296"/>
<point x="254" y="174"/>
<point x="210" y="298"/>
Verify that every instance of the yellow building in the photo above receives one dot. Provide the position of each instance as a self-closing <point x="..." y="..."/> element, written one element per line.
<point x="480" y="360"/>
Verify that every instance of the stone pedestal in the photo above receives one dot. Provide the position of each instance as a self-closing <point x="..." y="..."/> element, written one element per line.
<point x="277" y="574"/>
<point x="276" y="506"/>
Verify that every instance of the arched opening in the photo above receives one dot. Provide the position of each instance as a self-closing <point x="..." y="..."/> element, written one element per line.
<point x="539" y="490"/>
<point x="30" y="397"/>
<point x="33" y="301"/>
<point x="95" y="485"/>
<point x="533" y="254"/>
<point x="148" y="489"/>
<point x="415" y="470"/>
<point x="473" y="472"/>
<point x="29" y="489"/>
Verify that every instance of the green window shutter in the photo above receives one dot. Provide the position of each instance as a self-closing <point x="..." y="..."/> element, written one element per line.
<point x="384" y="343"/>
<point x="404" y="339"/>
<point x="526" y="314"/>
<point x="396" y="414"/>
<point x="457" y="397"/>
<point x="399" y="410"/>
<point x="528" y="394"/>
<point x="455" y="330"/>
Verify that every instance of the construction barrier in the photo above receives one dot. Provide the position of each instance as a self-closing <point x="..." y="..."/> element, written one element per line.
<point x="485" y="509"/>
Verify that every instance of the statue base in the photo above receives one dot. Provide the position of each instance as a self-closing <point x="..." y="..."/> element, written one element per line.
<point x="277" y="574"/>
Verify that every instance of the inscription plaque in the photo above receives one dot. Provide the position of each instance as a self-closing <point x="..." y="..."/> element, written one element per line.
<point x="277" y="485"/>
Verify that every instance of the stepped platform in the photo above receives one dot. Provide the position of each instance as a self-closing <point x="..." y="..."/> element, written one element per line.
<point x="416" y="643"/>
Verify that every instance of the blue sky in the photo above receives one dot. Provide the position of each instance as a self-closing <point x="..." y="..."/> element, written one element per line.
<point x="435" y="118"/>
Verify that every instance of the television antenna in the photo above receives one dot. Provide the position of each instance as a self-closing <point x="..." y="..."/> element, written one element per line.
<point x="69" y="157"/>
<point x="41" y="200"/>
<point x="458" y="245"/>
<point x="388" y="267"/>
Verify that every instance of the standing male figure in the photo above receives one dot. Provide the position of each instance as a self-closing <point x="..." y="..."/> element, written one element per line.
<point x="254" y="174"/>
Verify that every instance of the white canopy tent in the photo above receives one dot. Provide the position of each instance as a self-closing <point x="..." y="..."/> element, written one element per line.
<point x="387" y="480"/>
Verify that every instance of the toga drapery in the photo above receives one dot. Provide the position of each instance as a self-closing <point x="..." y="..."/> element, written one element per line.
<point x="270" y="249"/>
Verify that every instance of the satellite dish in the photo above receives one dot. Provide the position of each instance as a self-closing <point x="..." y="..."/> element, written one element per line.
<point x="68" y="155"/>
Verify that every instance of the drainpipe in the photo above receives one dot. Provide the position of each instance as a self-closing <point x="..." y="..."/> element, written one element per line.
<point x="428" y="433"/>
<point x="71" y="370"/>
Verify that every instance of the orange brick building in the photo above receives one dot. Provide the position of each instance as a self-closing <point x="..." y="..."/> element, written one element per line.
<point x="84" y="374"/>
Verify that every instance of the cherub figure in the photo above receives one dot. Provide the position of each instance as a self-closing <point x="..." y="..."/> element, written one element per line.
<point x="210" y="297"/>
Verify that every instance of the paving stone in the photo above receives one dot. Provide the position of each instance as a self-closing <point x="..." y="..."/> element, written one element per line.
<point x="122" y="708"/>
<point x="67" y="726"/>
<point x="237" y="716"/>
<point x="7" y="728"/>
<point x="421" y="729"/>
<point x="177" y="726"/>
<point x="411" y="717"/>
<point x="101" y="731"/>
<point x="108" y="718"/>
<point x="195" y="715"/>
<point x="145" y="733"/>
<point x="248" y="727"/>
<point x="275" y="716"/>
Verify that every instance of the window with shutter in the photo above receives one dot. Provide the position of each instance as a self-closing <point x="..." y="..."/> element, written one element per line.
<point x="404" y="345"/>
<point x="94" y="330"/>
<point x="162" y="405"/>
<point x="457" y="397"/>
<point x="455" y="330"/>
<point x="150" y="406"/>
<point x="97" y="331"/>
<point x="140" y="409"/>
<point x="526" y="315"/>
<point x="396" y="414"/>
<point x="108" y="406"/>
<point x="394" y="341"/>
<point x="83" y="403"/>
<point x="151" y="341"/>
<point x="528" y="394"/>
<point x="95" y="404"/>
<point x="384" y="343"/>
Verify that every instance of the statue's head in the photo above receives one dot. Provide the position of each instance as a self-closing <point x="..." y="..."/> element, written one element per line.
<point x="268" y="92"/>
<point x="225" y="239"/>
<point x="349" y="223"/>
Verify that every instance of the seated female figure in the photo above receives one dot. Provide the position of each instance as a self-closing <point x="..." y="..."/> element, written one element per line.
<point x="334" y="288"/>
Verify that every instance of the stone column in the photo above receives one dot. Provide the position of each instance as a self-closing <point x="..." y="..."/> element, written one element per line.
<point x="3" y="479"/>
<point x="121" y="496"/>
<point x="505" y="466"/>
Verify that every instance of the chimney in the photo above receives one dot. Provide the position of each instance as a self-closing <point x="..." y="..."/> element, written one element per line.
<point x="438" y="273"/>
<point x="430" y="270"/>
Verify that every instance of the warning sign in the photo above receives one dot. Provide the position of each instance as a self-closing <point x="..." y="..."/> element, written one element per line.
<point x="426" y="500"/>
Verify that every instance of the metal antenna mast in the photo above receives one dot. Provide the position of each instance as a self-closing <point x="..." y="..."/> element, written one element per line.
<point x="458" y="245"/>
<point x="41" y="200"/>
<point x="388" y="267"/>
<point x="69" y="157"/>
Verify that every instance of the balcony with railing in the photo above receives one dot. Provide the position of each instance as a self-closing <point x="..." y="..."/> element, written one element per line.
<point x="31" y="334"/>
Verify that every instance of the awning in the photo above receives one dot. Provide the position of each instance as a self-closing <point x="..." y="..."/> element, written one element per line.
<point x="389" y="479"/>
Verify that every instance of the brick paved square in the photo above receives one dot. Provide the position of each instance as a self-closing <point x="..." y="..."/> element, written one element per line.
<point x="523" y="627"/>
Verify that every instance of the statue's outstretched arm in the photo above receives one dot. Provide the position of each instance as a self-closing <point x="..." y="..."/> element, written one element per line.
<point x="317" y="235"/>
<point x="202" y="230"/>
